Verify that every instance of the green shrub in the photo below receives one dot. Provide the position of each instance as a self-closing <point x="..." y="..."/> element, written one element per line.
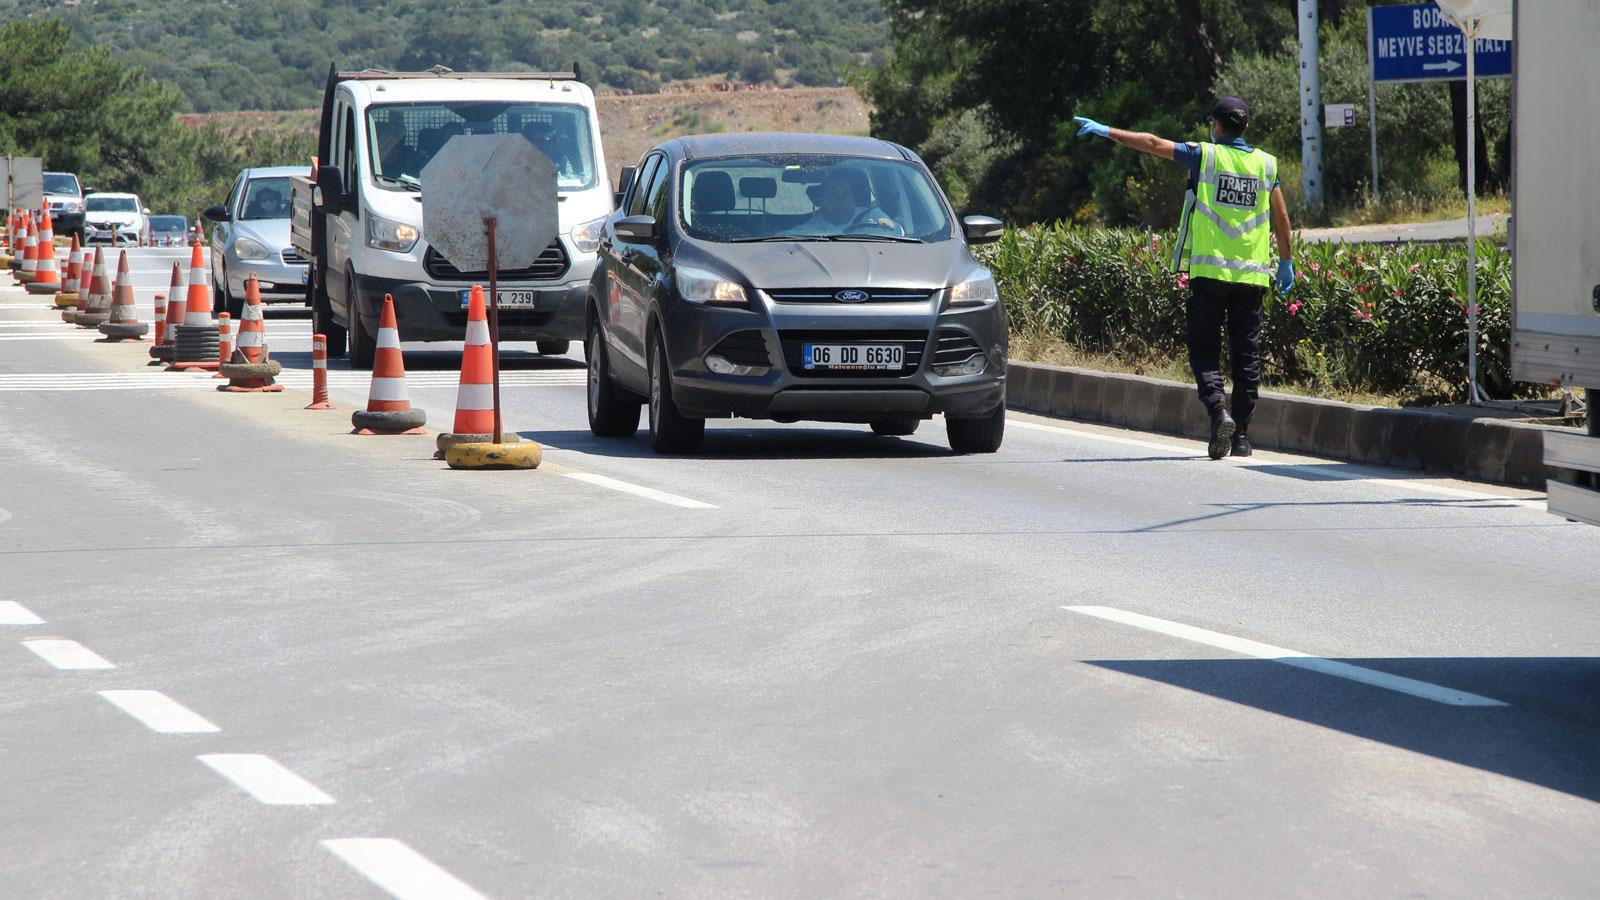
<point x="1361" y="317"/>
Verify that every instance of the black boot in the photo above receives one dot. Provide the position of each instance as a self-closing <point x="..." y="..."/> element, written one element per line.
<point x="1222" y="428"/>
<point x="1241" y="444"/>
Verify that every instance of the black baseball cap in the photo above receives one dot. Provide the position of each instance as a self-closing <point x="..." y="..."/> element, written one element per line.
<point x="1232" y="111"/>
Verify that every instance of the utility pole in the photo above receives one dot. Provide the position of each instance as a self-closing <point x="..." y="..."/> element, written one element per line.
<point x="1310" y="106"/>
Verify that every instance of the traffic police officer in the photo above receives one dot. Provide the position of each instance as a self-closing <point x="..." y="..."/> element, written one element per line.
<point x="1234" y="199"/>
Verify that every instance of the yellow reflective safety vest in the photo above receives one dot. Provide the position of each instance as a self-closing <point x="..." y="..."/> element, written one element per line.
<point x="1226" y="231"/>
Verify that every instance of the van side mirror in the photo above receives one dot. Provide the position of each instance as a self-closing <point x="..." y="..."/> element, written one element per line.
<point x="982" y="229"/>
<point x="217" y="214"/>
<point x="330" y="182"/>
<point x="635" y="229"/>
<point x="624" y="181"/>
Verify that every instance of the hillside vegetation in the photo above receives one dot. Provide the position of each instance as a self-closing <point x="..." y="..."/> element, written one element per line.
<point x="273" y="54"/>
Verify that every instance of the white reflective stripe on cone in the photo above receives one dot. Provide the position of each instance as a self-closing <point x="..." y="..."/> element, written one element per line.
<point x="197" y="319"/>
<point x="388" y="389"/>
<point x="252" y="312"/>
<point x="318" y="362"/>
<point x="388" y="339"/>
<point x="251" y="338"/>
<point x="475" y="396"/>
<point x="477" y="332"/>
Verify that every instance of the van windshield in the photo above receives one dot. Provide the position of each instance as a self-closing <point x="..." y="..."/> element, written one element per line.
<point x="786" y="196"/>
<point x="404" y="137"/>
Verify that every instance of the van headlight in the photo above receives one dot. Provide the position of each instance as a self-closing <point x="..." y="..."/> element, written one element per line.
<point x="702" y="286"/>
<point x="250" y="250"/>
<point x="387" y="234"/>
<point x="586" y="237"/>
<point x="978" y="290"/>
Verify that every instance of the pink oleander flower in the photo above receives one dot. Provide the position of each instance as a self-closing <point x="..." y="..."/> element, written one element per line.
<point x="1316" y="268"/>
<point x="1415" y="266"/>
<point x="1294" y="307"/>
<point x="1397" y="293"/>
<point x="1183" y="281"/>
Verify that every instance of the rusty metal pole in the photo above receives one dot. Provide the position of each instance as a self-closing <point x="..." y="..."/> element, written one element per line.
<point x="494" y="325"/>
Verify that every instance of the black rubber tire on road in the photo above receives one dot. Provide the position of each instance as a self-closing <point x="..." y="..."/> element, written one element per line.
<point x="123" y="330"/>
<point x="363" y="346"/>
<point x="670" y="430"/>
<point x="196" y="344"/>
<point x="611" y="414"/>
<point x="553" y="348"/>
<point x="981" y="435"/>
<point x="245" y="371"/>
<point x="389" y="421"/>
<point x="92" y="319"/>
<point x="904" y="426"/>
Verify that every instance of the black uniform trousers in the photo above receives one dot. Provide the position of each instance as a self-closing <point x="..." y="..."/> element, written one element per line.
<point x="1209" y="307"/>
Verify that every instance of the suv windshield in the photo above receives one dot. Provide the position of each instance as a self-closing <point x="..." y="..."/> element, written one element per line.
<point x="112" y="204"/>
<point x="810" y="197"/>
<point x="266" y="198"/>
<point x="169" y="224"/>
<point x="59" y="183"/>
<point x="403" y="138"/>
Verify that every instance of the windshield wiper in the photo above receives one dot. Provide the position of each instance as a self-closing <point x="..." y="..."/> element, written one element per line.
<point x="889" y="238"/>
<point x="778" y="237"/>
<point x="410" y="184"/>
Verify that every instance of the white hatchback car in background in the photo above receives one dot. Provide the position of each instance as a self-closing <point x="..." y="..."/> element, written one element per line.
<point x="115" y="218"/>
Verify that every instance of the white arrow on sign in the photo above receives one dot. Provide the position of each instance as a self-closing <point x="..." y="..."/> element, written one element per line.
<point x="1448" y="65"/>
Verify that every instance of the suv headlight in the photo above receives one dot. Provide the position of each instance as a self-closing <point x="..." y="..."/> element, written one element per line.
<point x="250" y="249"/>
<point x="586" y="237"/>
<point x="72" y="206"/>
<point x="386" y="234"/>
<point x="702" y="286"/>
<point x="978" y="290"/>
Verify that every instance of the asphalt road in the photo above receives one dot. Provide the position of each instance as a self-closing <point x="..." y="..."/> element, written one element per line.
<point x="245" y="653"/>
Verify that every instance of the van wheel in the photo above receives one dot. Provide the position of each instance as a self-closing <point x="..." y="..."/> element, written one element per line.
<point x="670" y="430"/>
<point x="982" y="435"/>
<point x="897" y="427"/>
<point x="610" y="414"/>
<point x="322" y="323"/>
<point x="363" y="346"/>
<point x="553" y="348"/>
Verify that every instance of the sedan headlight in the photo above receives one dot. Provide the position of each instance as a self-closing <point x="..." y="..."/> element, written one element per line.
<point x="586" y="237"/>
<point x="250" y="249"/>
<point x="702" y="286"/>
<point x="978" y="290"/>
<point x="386" y="234"/>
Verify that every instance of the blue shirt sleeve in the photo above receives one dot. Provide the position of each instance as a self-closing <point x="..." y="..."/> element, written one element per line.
<point x="1187" y="155"/>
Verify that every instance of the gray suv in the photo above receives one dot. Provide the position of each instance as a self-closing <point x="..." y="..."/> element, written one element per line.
<point x="792" y="277"/>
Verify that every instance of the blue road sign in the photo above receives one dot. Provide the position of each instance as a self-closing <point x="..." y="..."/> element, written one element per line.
<point x="1417" y="43"/>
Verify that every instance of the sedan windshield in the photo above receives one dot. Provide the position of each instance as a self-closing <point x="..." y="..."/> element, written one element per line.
<point x="266" y="198"/>
<point x="403" y="138"/>
<point x="778" y="197"/>
<point x="112" y="204"/>
<point x="57" y="183"/>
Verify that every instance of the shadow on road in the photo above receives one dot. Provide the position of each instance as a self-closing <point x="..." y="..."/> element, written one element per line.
<point x="776" y="442"/>
<point x="1547" y="736"/>
<point x="1225" y="510"/>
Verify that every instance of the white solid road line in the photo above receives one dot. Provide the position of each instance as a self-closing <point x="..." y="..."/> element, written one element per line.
<point x="14" y="613"/>
<point x="65" y="654"/>
<point x="639" y="490"/>
<point x="263" y="778"/>
<point x="401" y="871"/>
<point x="1247" y="647"/>
<point x="159" y="712"/>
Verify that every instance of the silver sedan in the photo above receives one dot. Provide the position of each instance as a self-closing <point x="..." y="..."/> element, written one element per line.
<point x="250" y="236"/>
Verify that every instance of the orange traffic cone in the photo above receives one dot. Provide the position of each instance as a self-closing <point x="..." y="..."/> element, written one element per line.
<point x="46" y="274"/>
<point x="195" y="345"/>
<point x="474" y="421"/>
<point x="69" y="288"/>
<point x="30" y="255"/>
<point x="97" y="306"/>
<point x="251" y="370"/>
<point x="124" y="324"/>
<point x="162" y="353"/>
<point x="388" y="405"/>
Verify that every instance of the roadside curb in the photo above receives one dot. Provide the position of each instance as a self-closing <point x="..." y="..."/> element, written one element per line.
<point x="1482" y="449"/>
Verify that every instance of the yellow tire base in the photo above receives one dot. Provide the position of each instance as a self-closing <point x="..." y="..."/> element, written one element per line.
<point x="526" y="455"/>
<point x="65" y="300"/>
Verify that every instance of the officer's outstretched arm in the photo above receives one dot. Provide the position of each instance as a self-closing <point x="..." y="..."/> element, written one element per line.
<point x="1143" y="142"/>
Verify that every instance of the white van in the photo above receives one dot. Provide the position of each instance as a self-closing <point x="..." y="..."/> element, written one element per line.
<point x="362" y="226"/>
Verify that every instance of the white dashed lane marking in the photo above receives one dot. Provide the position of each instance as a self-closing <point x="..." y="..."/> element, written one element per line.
<point x="65" y="654"/>
<point x="159" y="712"/>
<point x="1247" y="647"/>
<point x="400" y="870"/>
<point x="263" y="778"/>
<point x="627" y="487"/>
<point x="14" y="613"/>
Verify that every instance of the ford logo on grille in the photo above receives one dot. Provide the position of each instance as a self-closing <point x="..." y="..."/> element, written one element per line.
<point x="851" y="296"/>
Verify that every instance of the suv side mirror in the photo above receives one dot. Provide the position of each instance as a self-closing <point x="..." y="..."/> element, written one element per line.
<point x="217" y="214"/>
<point x="145" y="210"/>
<point x="330" y="181"/>
<point x="635" y="229"/>
<point x="624" y="181"/>
<point x="982" y="229"/>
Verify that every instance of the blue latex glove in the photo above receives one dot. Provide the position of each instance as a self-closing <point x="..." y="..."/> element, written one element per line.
<point x="1090" y="126"/>
<point x="1285" y="279"/>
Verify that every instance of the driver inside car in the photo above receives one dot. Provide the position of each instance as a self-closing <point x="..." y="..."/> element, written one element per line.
<point x="838" y="212"/>
<point x="266" y="204"/>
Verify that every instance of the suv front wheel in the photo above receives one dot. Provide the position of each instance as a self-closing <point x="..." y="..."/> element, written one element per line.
<point x="981" y="435"/>
<point x="610" y="414"/>
<point x="670" y="430"/>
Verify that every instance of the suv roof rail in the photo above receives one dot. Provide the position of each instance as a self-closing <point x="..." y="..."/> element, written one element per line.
<point x="444" y="72"/>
